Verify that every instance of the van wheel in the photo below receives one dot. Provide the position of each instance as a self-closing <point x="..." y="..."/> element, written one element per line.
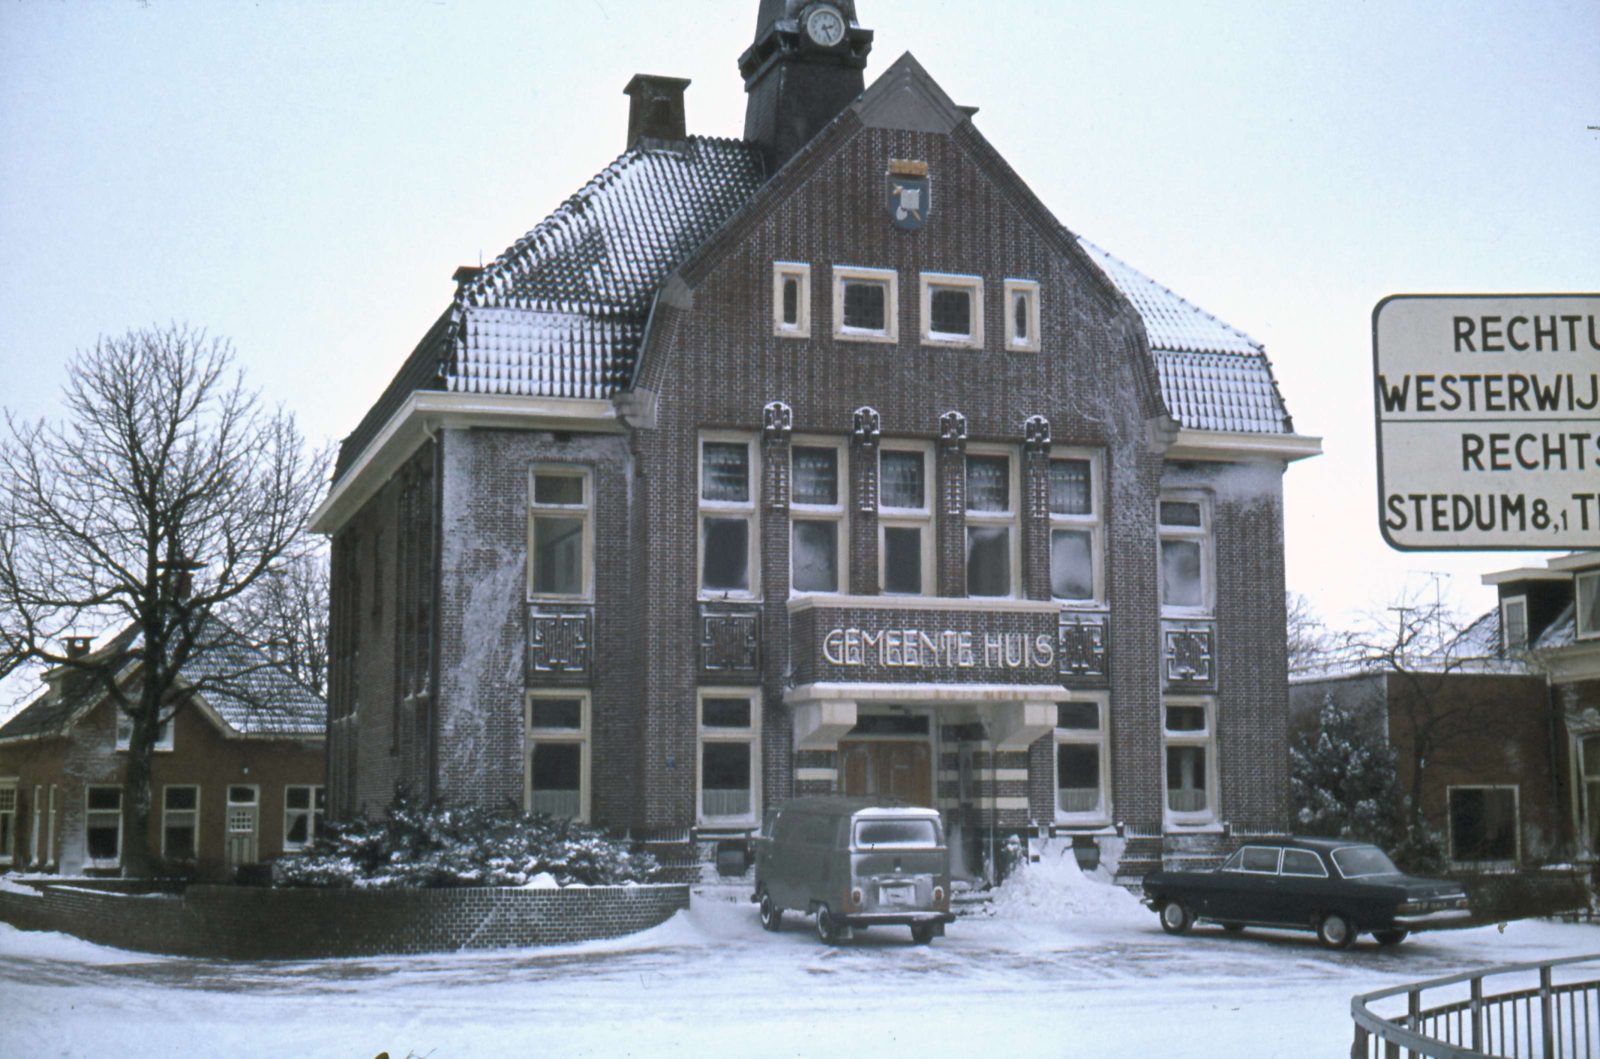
<point x="827" y="929"/>
<point x="771" y="914"/>
<point x="921" y="933"/>
<point x="1335" y="931"/>
<point x="1390" y="937"/>
<point x="1176" y="917"/>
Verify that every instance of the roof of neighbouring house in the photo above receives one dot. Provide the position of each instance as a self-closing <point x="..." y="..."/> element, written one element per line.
<point x="247" y="690"/>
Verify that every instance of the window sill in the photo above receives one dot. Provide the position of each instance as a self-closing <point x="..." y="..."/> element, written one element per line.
<point x="1022" y="349"/>
<point x="1206" y="825"/>
<point x="848" y="334"/>
<point x="587" y="599"/>
<point x="1083" y="821"/>
<point x="791" y="332"/>
<point x="939" y="340"/>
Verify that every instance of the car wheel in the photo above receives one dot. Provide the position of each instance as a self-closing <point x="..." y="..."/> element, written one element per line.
<point x="1233" y="928"/>
<point x="771" y="914"/>
<point x="1335" y="931"/>
<point x="921" y="933"/>
<point x="1176" y="917"/>
<point x="1390" y="937"/>
<point x="827" y="928"/>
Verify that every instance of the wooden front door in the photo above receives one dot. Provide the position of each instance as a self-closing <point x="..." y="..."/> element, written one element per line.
<point x="899" y="767"/>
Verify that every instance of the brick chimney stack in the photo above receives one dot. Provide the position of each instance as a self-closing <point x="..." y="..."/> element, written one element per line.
<point x="655" y="110"/>
<point x="78" y="646"/>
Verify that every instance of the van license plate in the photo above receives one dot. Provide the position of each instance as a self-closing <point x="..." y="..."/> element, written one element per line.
<point x="897" y="895"/>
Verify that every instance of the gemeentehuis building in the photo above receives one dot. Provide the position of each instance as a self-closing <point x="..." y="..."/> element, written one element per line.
<point x="826" y="459"/>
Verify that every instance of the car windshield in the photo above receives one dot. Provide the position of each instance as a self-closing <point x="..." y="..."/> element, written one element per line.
<point x="1357" y="861"/>
<point x="872" y="834"/>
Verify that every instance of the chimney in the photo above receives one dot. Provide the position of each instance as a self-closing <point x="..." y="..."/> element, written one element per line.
<point x="465" y="275"/>
<point x="655" y="110"/>
<point x="78" y="646"/>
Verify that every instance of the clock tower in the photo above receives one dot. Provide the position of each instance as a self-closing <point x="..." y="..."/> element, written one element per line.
<point x="803" y="69"/>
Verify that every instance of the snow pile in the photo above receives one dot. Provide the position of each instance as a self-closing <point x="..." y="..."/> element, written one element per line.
<point x="1055" y="890"/>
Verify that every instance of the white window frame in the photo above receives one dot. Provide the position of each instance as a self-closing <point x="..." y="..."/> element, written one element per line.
<point x="1516" y="824"/>
<point x="38" y="825"/>
<point x="749" y="510"/>
<point x="1092" y="523"/>
<point x="10" y="796"/>
<point x="533" y="737"/>
<point x="50" y="838"/>
<point x="750" y="736"/>
<point x="1507" y="606"/>
<point x="835" y="513"/>
<point x="1202" y="535"/>
<point x="88" y="815"/>
<point x="164" y="736"/>
<point x="1097" y="738"/>
<point x="168" y="815"/>
<point x="919" y="518"/>
<point x="1010" y="518"/>
<point x="316" y="815"/>
<point x="583" y="511"/>
<point x="800" y="272"/>
<point x="1028" y="291"/>
<point x="1206" y="739"/>
<point x="1586" y="590"/>
<point x="973" y="286"/>
<point x="890" y="332"/>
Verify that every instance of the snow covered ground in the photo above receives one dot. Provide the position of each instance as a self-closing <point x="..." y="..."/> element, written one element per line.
<point x="1062" y="967"/>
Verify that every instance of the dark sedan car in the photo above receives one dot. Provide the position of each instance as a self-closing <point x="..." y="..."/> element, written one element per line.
<point x="1337" y="888"/>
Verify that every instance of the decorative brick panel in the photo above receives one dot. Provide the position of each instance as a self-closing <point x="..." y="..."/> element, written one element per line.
<point x="560" y="644"/>
<point x="730" y="642"/>
<point x="1188" y="654"/>
<point x="1081" y="649"/>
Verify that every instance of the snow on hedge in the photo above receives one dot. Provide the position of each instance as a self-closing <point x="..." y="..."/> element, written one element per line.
<point x="1054" y="889"/>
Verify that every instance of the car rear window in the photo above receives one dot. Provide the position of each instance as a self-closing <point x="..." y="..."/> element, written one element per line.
<point x="1303" y="862"/>
<point x="874" y="834"/>
<point x="1357" y="861"/>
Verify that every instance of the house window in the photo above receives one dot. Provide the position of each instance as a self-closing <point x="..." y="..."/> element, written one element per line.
<point x="560" y="533"/>
<point x="1185" y="554"/>
<point x="180" y="822"/>
<point x="730" y="765"/>
<point x="1187" y="733"/>
<point x="34" y="831"/>
<point x="1587" y="589"/>
<point x="8" y="823"/>
<point x="791" y="299"/>
<point x="865" y="304"/>
<point x="50" y="835"/>
<point x="1589" y="761"/>
<point x="817" y="507"/>
<point x="991" y="525"/>
<point x="125" y="732"/>
<point x="558" y="754"/>
<point x="1514" y="623"/>
<point x="727" y="517"/>
<point x="303" y="809"/>
<point x="952" y="310"/>
<point x="905" y="522"/>
<point x="1075" y="555"/>
<point x="1483" y="825"/>
<point x="102" y="828"/>
<point x="1081" y="761"/>
<point x="1022" y="315"/>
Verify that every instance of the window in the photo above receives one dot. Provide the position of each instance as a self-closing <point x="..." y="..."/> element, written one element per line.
<point x="1081" y="761"/>
<point x="50" y="837"/>
<point x="34" y="831"/>
<point x="102" y="828"/>
<point x="303" y="809"/>
<point x="1304" y="863"/>
<point x="1187" y="730"/>
<point x="1075" y="547"/>
<point x="991" y="525"/>
<point x="730" y="756"/>
<point x="1257" y="860"/>
<point x="817" y="512"/>
<point x="180" y="823"/>
<point x="558" y="754"/>
<point x="1587" y="591"/>
<point x="1185" y="554"/>
<point x="1483" y="825"/>
<point x="727" y="517"/>
<point x="1514" y="623"/>
<point x="865" y="304"/>
<point x="560" y="534"/>
<point x="8" y="823"/>
<point x="905" y="522"/>
<point x="952" y="310"/>
<point x="125" y="732"/>
<point x="1022" y="315"/>
<point x="791" y="299"/>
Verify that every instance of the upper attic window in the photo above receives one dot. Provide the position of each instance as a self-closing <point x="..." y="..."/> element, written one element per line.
<point x="1588" y="597"/>
<point x="791" y="299"/>
<point x="952" y="310"/>
<point x="1022" y="315"/>
<point x="1514" y="623"/>
<point x="865" y="304"/>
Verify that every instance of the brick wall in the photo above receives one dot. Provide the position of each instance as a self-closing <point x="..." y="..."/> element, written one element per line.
<point x="259" y="924"/>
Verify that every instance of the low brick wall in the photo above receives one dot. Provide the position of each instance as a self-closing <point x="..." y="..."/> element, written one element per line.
<point x="241" y="922"/>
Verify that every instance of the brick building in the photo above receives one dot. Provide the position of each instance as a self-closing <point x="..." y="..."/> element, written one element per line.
<point x="824" y="459"/>
<point x="236" y="777"/>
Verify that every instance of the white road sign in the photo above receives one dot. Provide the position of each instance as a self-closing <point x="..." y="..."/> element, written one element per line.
<point x="1488" y="415"/>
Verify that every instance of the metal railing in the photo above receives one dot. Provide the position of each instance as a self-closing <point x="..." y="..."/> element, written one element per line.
<point x="1547" y="1020"/>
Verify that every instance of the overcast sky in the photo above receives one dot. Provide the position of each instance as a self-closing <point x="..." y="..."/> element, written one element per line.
<point x="304" y="178"/>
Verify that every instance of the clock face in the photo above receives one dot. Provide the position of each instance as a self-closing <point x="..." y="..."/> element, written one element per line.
<point x="825" y="26"/>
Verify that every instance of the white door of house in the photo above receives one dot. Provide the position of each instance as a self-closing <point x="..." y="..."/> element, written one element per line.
<point x="242" y="840"/>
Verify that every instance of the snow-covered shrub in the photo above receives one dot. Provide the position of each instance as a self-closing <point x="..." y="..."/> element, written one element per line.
<point x="435" y="846"/>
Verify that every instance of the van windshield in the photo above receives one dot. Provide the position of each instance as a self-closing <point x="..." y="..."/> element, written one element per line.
<point x="874" y="834"/>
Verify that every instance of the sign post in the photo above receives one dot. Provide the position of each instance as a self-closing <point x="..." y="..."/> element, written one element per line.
<point x="1488" y="419"/>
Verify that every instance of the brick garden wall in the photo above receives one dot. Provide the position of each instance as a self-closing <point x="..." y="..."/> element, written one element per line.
<point x="264" y="924"/>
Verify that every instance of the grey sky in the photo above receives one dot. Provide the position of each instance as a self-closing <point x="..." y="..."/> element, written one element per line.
<point x="305" y="177"/>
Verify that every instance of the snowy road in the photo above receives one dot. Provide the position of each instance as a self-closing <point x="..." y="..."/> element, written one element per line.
<point x="1096" y="980"/>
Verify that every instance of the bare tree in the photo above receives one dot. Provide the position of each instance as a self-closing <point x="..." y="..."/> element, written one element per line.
<point x="164" y="493"/>
<point x="1311" y="643"/>
<point x="285" y="613"/>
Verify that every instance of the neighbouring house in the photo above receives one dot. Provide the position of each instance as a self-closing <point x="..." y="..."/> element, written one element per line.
<point x="825" y="459"/>
<point x="236" y="777"/>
